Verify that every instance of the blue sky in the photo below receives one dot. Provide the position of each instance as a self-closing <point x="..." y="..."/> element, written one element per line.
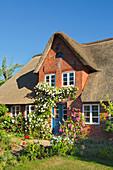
<point x="27" y="25"/>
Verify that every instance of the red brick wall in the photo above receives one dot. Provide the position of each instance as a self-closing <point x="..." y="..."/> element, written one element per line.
<point x="58" y="65"/>
<point x="69" y="63"/>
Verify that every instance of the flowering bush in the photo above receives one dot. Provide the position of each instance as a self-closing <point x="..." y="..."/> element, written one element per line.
<point x="39" y="125"/>
<point x="18" y="125"/>
<point x="73" y="127"/>
<point x="108" y="121"/>
<point x="63" y="145"/>
<point x="21" y="124"/>
<point x="3" y="110"/>
<point x="6" y="123"/>
<point x="47" y="97"/>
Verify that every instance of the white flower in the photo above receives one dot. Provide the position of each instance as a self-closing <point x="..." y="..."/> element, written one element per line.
<point x="13" y="121"/>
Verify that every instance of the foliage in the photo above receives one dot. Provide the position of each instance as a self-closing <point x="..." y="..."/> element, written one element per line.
<point x="7" y="123"/>
<point x="18" y="125"/>
<point x="47" y="97"/>
<point x="39" y="125"/>
<point x="3" y="109"/>
<point x="21" y="124"/>
<point x="5" y="140"/>
<point x="107" y="120"/>
<point x="73" y="127"/>
<point x="7" y="72"/>
<point x="62" y="145"/>
<point x="93" y="148"/>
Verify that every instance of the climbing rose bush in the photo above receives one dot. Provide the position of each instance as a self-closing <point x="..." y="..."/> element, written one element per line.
<point x="47" y="97"/>
<point x="39" y="125"/>
<point x="73" y="127"/>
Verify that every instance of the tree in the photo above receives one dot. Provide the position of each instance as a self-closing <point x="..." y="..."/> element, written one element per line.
<point x="7" y="72"/>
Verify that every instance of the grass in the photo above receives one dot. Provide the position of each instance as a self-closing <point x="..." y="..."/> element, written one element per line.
<point x="63" y="163"/>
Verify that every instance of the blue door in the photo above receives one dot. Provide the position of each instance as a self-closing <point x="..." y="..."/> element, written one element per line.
<point x="60" y="113"/>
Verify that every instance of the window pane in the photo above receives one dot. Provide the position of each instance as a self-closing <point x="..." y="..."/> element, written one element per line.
<point x="17" y="108"/>
<point x="65" y="116"/>
<point x="13" y="109"/>
<point x="65" y="75"/>
<point x="94" y="108"/>
<point x="87" y="108"/>
<point x="57" y="111"/>
<point x="71" y="83"/>
<point x="71" y="78"/>
<point x="111" y="119"/>
<point x="87" y="120"/>
<point x="27" y="112"/>
<point x="17" y="112"/>
<point x="47" y="78"/>
<point x="65" y="79"/>
<point x="65" y="106"/>
<point x="13" y="112"/>
<point x="53" y="81"/>
<point x="95" y="120"/>
<point x="86" y="113"/>
<point x="64" y="83"/>
<point x="53" y="77"/>
<point x="32" y="108"/>
<point x="94" y="113"/>
<point x="71" y="74"/>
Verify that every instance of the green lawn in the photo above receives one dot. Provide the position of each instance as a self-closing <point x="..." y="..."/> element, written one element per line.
<point x="63" y="163"/>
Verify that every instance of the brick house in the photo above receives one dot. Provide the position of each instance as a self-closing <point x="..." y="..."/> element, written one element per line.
<point x="65" y="62"/>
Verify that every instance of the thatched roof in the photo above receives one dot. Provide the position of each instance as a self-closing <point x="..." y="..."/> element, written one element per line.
<point x="97" y="56"/>
<point x="79" y="50"/>
<point x="20" y="88"/>
<point x="100" y="83"/>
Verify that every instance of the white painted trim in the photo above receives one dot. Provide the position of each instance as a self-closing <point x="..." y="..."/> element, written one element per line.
<point x="68" y="78"/>
<point x="15" y="110"/>
<point x="50" y="78"/>
<point x="91" y="113"/>
<point x="29" y="109"/>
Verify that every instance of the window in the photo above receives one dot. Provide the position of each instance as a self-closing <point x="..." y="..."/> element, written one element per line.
<point x="59" y="55"/>
<point x="57" y="111"/>
<point x="15" y="110"/>
<point x="29" y="109"/>
<point x="68" y="79"/>
<point x="65" y="111"/>
<point x="111" y="119"/>
<point x="61" y="111"/>
<point x="110" y="116"/>
<point x="50" y="78"/>
<point x="91" y="113"/>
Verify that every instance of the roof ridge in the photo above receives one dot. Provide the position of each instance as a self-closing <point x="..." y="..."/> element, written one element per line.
<point x="98" y="41"/>
<point x="37" y="55"/>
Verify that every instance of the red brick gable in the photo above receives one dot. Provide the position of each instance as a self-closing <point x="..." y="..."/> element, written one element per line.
<point x="58" y="65"/>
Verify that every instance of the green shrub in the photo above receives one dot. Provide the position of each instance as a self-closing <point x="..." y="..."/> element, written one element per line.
<point x="3" y="109"/>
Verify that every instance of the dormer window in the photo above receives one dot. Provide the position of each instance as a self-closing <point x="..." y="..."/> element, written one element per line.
<point x="59" y="55"/>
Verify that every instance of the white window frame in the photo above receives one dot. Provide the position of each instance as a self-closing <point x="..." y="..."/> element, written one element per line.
<point x="50" y="79"/>
<point x="68" y="78"/>
<point x="91" y="113"/>
<point x="15" y="110"/>
<point x="110" y="118"/>
<point x="29" y="109"/>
